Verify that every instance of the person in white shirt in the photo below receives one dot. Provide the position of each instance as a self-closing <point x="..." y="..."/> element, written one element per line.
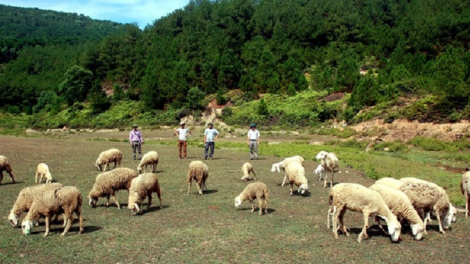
<point x="210" y="135"/>
<point x="183" y="134"/>
<point x="253" y="141"/>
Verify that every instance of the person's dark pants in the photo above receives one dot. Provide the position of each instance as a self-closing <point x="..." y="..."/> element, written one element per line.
<point x="209" y="150"/>
<point x="137" y="146"/>
<point x="253" y="149"/>
<point x="182" y="145"/>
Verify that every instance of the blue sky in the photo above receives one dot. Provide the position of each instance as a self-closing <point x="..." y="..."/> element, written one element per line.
<point x="124" y="11"/>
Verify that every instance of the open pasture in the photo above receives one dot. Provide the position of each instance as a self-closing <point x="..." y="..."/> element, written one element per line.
<point x="200" y="229"/>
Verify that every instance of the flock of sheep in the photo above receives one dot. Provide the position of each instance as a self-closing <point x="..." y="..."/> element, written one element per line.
<point x="392" y="200"/>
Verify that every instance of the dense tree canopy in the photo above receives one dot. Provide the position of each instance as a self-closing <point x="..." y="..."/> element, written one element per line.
<point x="374" y="49"/>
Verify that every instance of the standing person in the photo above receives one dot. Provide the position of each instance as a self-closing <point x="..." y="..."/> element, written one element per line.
<point x="210" y="135"/>
<point x="253" y="141"/>
<point x="182" y="133"/>
<point x="136" y="140"/>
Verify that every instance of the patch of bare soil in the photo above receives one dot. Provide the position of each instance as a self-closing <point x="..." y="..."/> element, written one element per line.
<point x="404" y="130"/>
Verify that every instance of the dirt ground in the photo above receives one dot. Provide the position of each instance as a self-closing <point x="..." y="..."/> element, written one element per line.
<point x="193" y="228"/>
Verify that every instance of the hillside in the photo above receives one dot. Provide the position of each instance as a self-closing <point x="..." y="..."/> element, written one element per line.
<point x="374" y="52"/>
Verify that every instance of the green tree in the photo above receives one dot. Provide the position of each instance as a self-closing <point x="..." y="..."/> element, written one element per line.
<point x="76" y="85"/>
<point x="195" y="97"/>
<point x="263" y="108"/>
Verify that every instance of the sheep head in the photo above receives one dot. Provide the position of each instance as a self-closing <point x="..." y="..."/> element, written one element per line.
<point x="394" y="229"/>
<point x="13" y="218"/>
<point x="417" y="230"/>
<point x="27" y="226"/>
<point x="275" y="167"/>
<point x="92" y="200"/>
<point x="139" y="169"/>
<point x="321" y="155"/>
<point x="238" y="201"/>
<point x="135" y="209"/>
<point x="448" y="216"/>
<point x="98" y="166"/>
<point x="303" y="189"/>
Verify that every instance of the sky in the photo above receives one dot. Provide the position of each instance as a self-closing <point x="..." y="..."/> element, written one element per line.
<point x="142" y="12"/>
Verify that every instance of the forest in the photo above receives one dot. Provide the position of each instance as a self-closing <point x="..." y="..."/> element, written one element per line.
<point x="62" y="68"/>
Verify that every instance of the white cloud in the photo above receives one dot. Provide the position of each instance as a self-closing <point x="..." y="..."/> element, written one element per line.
<point x="124" y="11"/>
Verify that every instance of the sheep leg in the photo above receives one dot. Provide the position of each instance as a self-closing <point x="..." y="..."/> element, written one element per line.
<point x="377" y="219"/>
<point x="254" y="175"/>
<point x="159" y="196"/>
<point x="154" y="168"/>
<point x="107" y="203"/>
<point x="199" y="188"/>
<point x="324" y="182"/>
<point x="80" y="217"/>
<point x="284" y="181"/>
<point x="341" y="222"/>
<point x="260" y="204"/>
<point x="332" y="179"/>
<point x="116" y="202"/>
<point x="35" y="177"/>
<point x="364" y="229"/>
<point x="189" y="186"/>
<point x="150" y="202"/>
<point x="48" y="224"/>
<point x="440" y="223"/>
<point x="69" y="217"/>
<point x="1" y="176"/>
<point x="291" y="189"/>
<point x="466" y="203"/>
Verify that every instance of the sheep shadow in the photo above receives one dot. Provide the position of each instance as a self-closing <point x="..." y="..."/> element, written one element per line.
<point x="373" y="231"/>
<point x="10" y="183"/>
<point x="154" y="208"/>
<point x="210" y="191"/>
<point x="270" y="210"/>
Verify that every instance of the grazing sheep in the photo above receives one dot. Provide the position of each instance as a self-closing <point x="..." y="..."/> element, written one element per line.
<point x="295" y="174"/>
<point x="43" y="171"/>
<point x="149" y="159"/>
<point x="106" y="157"/>
<point x="246" y="169"/>
<point x="143" y="186"/>
<point x="358" y="198"/>
<point x="465" y="188"/>
<point x="430" y="197"/>
<point x="199" y="172"/>
<point x="5" y="166"/>
<point x="282" y="165"/>
<point x="401" y="206"/>
<point x="320" y="170"/>
<point x="255" y="190"/>
<point x="108" y="183"/>
<point x="330" y="162"/>
<point x="390" y="182"/>
<point x="62" y="200"/>
<point x="26" y="198"/>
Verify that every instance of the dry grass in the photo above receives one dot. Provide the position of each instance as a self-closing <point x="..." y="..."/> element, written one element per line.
<point x="199" y="229"/>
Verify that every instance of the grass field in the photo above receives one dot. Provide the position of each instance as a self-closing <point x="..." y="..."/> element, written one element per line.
<point x="208" y="228"/>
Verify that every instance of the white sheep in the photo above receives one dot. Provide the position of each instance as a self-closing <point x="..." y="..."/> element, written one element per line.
<point x="255" y="190"/>
<point x="108" y="183"/>
<point x="25" y="200"/>
<point x="149" y="159"/>
<point x="430" y="197"/>
<point x="320" y="170"/>
<point x="465" y="188"/>
<point x="62" y="200"/>
<point x="106" y="157"/>
<point x="5" y="166"/>
<point x="358" y="198"/>
<point x="295" y="174"/>
<point x="42" y="170"/>
<point x="199" y="172"/>
<point x="427" y="213"/>
<point x="390" y="182"/>
<point x="282" y="165"/>
<point x="401" y="206"/>
<point x="330" y="162"/>
<point x="143" y="186"/>
<point x="246" y="169"/>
